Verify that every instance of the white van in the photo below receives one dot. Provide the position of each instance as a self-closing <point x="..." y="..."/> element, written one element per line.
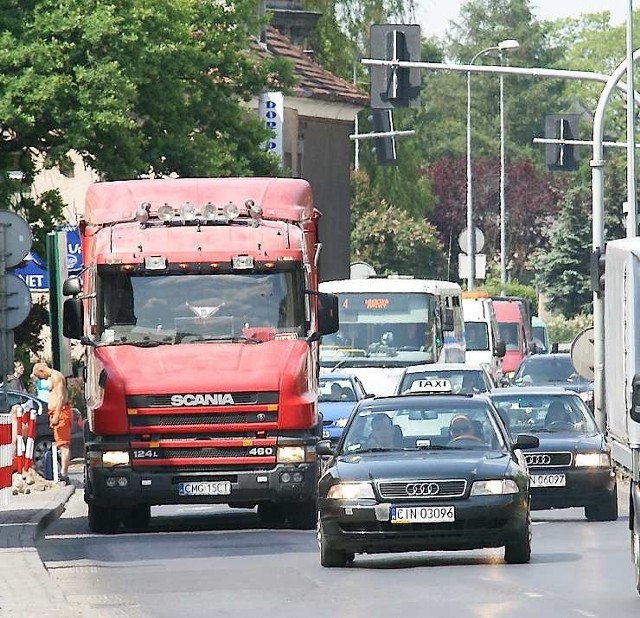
<point x="482" y="335"/>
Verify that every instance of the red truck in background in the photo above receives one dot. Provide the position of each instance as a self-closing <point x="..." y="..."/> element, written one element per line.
<point x="514" y="322"/>
<point x="200" y="314"/>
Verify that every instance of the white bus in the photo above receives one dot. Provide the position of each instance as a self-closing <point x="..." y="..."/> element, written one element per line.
<point x="387" y="324"/>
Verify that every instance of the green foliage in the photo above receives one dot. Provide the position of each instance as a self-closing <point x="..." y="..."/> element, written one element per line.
<point x="389" y="238"/>
<point x="563" y="271"/>
<point x="564" y="330"/>
<point x="514" y="288"/>
<point x="135" y="86"/>
<point x="28" y="334"/>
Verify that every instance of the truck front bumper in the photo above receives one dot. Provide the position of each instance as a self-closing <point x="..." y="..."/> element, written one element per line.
<point x="127" y="487"/>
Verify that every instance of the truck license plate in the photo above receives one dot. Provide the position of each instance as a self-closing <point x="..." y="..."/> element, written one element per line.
<point x="205" y="488"/>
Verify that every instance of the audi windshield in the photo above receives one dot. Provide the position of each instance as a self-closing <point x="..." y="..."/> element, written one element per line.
<point x="423" y="423"/>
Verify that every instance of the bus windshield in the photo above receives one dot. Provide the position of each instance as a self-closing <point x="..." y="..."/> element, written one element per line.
<point x="383" y="326"/>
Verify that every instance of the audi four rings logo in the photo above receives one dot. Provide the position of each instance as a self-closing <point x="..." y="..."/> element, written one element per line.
<point x="538" y="460"/>
<point x="422" y="489"/>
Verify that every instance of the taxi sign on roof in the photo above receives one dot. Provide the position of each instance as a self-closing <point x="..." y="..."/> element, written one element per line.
<point x="433" y="385"/>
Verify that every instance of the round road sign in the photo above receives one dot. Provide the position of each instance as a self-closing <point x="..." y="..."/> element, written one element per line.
<point x="17" y="237"/>
<point x="582" y="353"/>
<point x="463" y="239"/>
<point x="18" y="300"/>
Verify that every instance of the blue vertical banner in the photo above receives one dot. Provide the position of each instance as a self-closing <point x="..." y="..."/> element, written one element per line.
<point x="271" y="110"/>
<point x="74" y="254"/>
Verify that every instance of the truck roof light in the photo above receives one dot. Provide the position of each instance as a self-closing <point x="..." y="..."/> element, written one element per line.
<point x="214" y="266"/>
<point x="231" y="211"/>
<point x="255" y="212"/>
<point x="210" y="212"/>
<point x="269" y="264"/>
<point x="242" y="262"/>
<point x="183" y="266"/>
<point x="155" y="262"/>
<point x="188" y="212"/>
<point x="128" y="268"/>
<point x="142" y="212"/>
<point x="165" y="213"/>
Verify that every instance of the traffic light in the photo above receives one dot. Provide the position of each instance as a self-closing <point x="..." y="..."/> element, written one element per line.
<point x="385" y="147"/>
<point x="598" y="262"/>
<point x="394" y="86"/>
<point x="561" y="157"/>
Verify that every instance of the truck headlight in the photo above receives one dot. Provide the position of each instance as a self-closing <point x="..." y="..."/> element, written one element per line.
<point x="592" y="460"/>
<point x="494" y="487"/>
<point x="350" y="491"/>
<point x="115" y="458"/>
<point x="290" y="454"/>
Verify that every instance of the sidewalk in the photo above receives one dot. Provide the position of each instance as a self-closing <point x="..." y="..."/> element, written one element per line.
<point x="25" y="586"/>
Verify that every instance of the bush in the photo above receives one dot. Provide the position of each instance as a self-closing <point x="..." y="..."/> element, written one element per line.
<point x="564" y="330"/>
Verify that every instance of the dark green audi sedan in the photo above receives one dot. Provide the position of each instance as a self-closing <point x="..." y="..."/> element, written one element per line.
<point x="424" y="472"/>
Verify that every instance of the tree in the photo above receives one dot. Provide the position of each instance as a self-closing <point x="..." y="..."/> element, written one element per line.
<point x="563" y="271"/>
<point x="531" y="201"/>
<point x="135" y="87"/>
<point x="389" y="238"/>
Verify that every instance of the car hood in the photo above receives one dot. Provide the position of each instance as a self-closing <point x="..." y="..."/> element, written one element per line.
<point x="333" y="410"/>
<point x="408" y="465"/>
<point x="568" y="441"/>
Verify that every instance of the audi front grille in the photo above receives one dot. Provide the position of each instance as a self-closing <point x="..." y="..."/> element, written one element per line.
<point x="548" y="460"/>
<point x="422" y="490"/>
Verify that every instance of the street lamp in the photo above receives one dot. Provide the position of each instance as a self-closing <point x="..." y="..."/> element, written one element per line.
<point x="502" y="46"/>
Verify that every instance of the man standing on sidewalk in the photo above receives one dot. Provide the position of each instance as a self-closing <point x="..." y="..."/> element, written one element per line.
<point x="60" y="413"/>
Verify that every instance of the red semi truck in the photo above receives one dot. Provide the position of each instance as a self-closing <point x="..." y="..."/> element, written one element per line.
<point x="199" y="310"/>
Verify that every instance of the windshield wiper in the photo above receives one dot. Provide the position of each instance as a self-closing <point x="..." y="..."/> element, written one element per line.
<point x="232" y="338"/>
<point x="147" y="343"/>
<point x="373" y="449"/>
<point x="432" y="447"/>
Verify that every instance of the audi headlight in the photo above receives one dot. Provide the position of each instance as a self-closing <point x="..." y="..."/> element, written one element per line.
<point x="342" y="422"/>
<point x="592" y="460"/>
<point x="495" y="487"/>
<point x="115" y="458"/>
<point x="350" y="491"/>
<point x="291" y="454"/>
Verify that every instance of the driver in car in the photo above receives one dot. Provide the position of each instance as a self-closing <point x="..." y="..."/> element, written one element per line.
<point x="461" y="428"/>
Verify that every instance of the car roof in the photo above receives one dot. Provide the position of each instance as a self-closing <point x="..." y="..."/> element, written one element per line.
<point x="546" y="358"/>
<point x="416" y="398"/>
<point x="444" y="367"/>
<point x="532" y="390"/>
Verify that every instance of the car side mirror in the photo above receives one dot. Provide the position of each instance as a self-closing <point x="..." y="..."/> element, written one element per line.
<point x="526" y="441"/>
<point x="501" y="348"/>
<point x="324" y="448"/>
<point x="448" y="323"/>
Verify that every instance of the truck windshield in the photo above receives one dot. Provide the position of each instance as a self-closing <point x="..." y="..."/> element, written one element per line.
<point x="383" y="326"/>
<point x="187" y="308"/>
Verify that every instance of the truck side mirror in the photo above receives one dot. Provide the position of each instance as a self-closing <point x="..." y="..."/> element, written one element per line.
<point x="328" y="321"/>
<point x="72" y="286"/>
<point x="501" y="348"/>
<point x="634" y="413"/>
<point x="72" y="318"/>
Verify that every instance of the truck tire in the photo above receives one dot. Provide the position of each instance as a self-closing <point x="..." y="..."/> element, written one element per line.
<point x="635" y="550"/>
<point x="519" y="550"/>
<point x="103" y="520"/>
<point x="606" y="510"/>
<point x="329" y="556"/>
<point x="303" y="515"/>
<point x="271" y="514"/>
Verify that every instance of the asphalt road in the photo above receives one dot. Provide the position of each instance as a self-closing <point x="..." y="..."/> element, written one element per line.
<point x="213" y="561"/>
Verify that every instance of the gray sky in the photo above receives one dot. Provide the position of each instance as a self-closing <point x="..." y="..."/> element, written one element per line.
<point x="434" y="15"/>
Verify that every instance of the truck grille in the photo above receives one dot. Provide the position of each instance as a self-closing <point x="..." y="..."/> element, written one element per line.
<point x="188" y="420"/>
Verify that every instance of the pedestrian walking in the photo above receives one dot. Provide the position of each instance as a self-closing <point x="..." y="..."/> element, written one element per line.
<point x="60" y="413"/>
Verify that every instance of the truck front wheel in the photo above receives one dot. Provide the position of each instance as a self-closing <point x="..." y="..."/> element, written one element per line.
<point x="303" y="515"/>
<point x="606" y="510"/>
<point x="103" y="520"/>
<point x="137" y="517"/>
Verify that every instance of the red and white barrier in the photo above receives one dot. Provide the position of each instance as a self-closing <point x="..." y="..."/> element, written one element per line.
<point x="6" y="459"/>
